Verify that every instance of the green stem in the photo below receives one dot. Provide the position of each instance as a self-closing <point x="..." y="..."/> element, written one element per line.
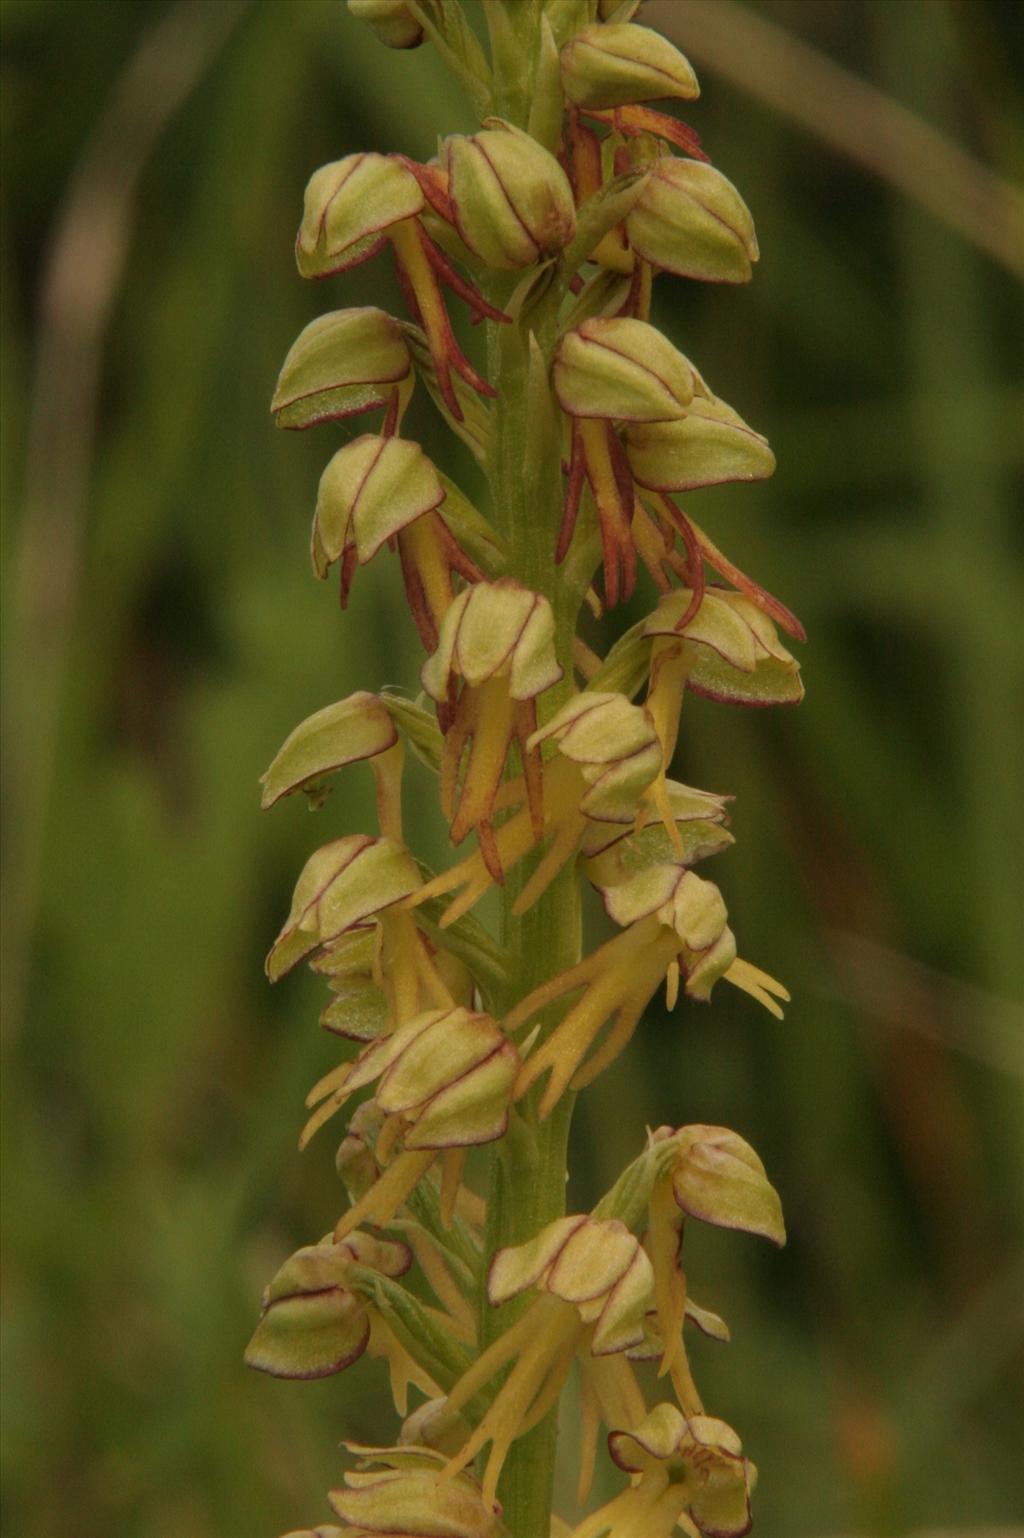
<point x="528" y="1169"/>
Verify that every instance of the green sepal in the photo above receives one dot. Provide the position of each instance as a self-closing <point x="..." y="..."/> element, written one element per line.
<point x="495" y="629"/>
<point x="634" y="852"/>
<point x="341" y="886"/>
<point x="735" y="654"/>
<point x="348" y="207"/>
<point x="771" y="683"/>
<point x="707" y="1322"/>
<point x="359" y="1012"/>
<point x="312" y="1325"/>
<point x="309" y="1335"/>
<point x="408" y="1498"/>
<point x="371" y="489"/>
<point x="710" y="445"/>
<point x="390" y="20"/>
<point x="616" y="747"/>
<point x="622" y="370"/>
<point x="348" y="958"/>
<point x="355" y="728"/>
<point x="448" y="1072"/>
<point x="719" y="1179"/>
<point x="614" y="64"/>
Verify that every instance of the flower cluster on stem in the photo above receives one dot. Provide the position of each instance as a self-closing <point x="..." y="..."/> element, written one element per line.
<point x="465" y="1274"/>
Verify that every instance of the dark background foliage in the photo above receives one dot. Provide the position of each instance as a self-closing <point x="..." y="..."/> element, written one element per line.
<point x="162" y="634"/>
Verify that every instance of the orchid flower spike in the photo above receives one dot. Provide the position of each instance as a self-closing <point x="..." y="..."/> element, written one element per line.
<point x="457" y="1033"/>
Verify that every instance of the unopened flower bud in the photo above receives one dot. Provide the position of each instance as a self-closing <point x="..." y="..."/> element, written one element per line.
<point x="391" y="20"/>
<point x="511" y="200"/>
<point x="690" y="220"/>
<point x="341" y="364"/>
<point x="623" y="370"/>
<point x="348" y="206"/>
<point x="612" y="65"/>
<point x="372" y="488"/>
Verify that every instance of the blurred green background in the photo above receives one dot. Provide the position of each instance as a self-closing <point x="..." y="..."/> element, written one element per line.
<point x="162" y="635"/>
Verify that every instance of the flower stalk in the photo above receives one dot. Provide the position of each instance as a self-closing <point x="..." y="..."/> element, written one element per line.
<point x="550" y="225"/>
